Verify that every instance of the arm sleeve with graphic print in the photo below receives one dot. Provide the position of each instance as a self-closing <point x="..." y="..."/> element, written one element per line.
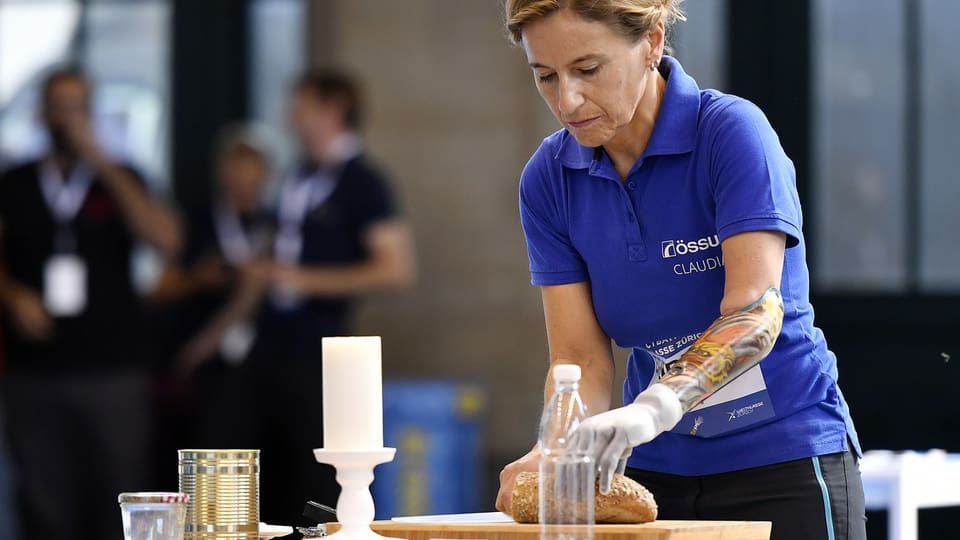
<point x="732" y="345"/>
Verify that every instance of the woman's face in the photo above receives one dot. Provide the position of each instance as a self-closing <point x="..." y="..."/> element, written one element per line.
<point x="592" y="77"/>
<point x="241" y="178"/>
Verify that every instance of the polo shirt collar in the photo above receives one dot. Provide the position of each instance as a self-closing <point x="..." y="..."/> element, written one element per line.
<point x="674" y="133"/>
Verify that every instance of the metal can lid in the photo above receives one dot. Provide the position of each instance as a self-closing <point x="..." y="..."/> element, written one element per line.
<point x="142" y="497"/>
<point x="212" y="454"/>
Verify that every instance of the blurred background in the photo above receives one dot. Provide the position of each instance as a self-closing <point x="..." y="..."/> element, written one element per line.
<point x="863" y="94"/>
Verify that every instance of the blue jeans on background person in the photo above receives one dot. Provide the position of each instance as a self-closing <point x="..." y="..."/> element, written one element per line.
<point x="8" y="514"/>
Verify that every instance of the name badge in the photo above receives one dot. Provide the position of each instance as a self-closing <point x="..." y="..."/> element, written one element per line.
<point x="65" y="285"/>
<point x="236" y="342"/>
<point x="734" y="407"/>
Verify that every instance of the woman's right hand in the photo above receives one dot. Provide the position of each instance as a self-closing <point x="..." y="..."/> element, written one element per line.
<point x="508" y="477"/>
<point x="210" y="273"/>
<point x="28" y="313"/>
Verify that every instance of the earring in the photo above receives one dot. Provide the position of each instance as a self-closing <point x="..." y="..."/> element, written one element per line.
<point x="654" y="66"/>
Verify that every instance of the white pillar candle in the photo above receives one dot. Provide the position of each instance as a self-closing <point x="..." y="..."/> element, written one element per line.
<point x="352" y="393"/>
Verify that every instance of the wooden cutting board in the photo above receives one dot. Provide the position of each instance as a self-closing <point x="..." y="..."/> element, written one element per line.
<point x="658" y="530"/>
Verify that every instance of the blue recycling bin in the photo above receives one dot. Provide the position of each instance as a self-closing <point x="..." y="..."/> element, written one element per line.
<point x="436" y="428"/>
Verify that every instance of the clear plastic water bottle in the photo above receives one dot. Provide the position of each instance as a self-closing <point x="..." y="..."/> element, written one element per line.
<point x="567" y="477"/>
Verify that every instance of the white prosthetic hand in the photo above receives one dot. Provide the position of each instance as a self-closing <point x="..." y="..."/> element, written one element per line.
<point x="609" y="437"/>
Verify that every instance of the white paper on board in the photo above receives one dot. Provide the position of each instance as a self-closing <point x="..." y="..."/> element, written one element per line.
<point x="479" y="517"/>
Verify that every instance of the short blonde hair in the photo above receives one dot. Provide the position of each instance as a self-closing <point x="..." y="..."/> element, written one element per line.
<point x="243" y="140"/>
<point x="631" y="18"/>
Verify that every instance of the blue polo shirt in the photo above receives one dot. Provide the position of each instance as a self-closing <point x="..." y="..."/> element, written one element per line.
<point x="649" y="246"/>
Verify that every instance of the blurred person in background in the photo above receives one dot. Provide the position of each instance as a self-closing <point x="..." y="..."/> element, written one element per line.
<point x="339" y="236"/>
<point x="9" y="529"/>
<point x="211" y="298"/>
<point x="8" y="516"/>
<point x="75" y="388"/>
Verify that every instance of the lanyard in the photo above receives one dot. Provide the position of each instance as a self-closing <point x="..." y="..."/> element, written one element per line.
<point x="64" y="198"/>
<point x="299" y="195"/>
<point x="234" y="242"/>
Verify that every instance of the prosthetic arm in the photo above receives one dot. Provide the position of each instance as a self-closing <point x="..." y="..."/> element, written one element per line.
<point x="732" y="345"/>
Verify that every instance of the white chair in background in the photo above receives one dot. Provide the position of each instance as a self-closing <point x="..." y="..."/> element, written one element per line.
<point x="904" y="482"/>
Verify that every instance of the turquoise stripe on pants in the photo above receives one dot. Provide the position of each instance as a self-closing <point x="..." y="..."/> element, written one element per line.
<point x="827" y="511"/>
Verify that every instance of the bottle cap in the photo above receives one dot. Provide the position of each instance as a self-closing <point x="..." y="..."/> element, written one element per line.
<point x="566" y="373"/>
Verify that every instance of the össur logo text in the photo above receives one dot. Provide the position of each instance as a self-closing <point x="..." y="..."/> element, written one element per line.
<point x="675" y="248"/>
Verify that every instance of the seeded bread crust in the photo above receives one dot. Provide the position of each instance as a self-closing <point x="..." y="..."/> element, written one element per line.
<point x="627" y="502"/>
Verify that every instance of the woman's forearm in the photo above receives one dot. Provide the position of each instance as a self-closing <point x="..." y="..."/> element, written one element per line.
<point x="575" y="337"/>
<point x="732" y="345"/>
<point x="596" y="381"/>
<point x="149" y="220"/>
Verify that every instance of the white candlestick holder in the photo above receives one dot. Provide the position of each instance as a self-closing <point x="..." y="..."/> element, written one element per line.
<point x="355" y="508"/>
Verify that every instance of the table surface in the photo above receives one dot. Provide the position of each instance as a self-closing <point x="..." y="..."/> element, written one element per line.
<point x="658" y="530"/>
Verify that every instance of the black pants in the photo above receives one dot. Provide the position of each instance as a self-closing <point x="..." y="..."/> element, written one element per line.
<point x="274" y="402"/>
<point x="9" y="529"/>
<point x="77" y="441"/>
<point x="817" y="498"/>
<point x="278" y="411"/>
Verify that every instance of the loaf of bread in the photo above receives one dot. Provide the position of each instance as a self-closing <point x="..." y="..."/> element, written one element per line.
<point x="627" y="502"/>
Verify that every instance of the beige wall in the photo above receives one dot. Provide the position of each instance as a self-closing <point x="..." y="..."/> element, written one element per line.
<point x="454" y="117"/>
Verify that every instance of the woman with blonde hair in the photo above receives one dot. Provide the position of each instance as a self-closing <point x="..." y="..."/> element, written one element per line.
<point x="666" y="218"/>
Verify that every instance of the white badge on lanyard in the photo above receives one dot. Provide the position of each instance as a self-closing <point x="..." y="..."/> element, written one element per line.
<point x="237" y="341"/>
<point x="298" y="197"/>
<point x="65" y="273"/>
<point x="65" y="285"/>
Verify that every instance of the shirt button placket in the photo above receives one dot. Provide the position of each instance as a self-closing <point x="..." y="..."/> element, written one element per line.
<point x="636" y="250"/>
